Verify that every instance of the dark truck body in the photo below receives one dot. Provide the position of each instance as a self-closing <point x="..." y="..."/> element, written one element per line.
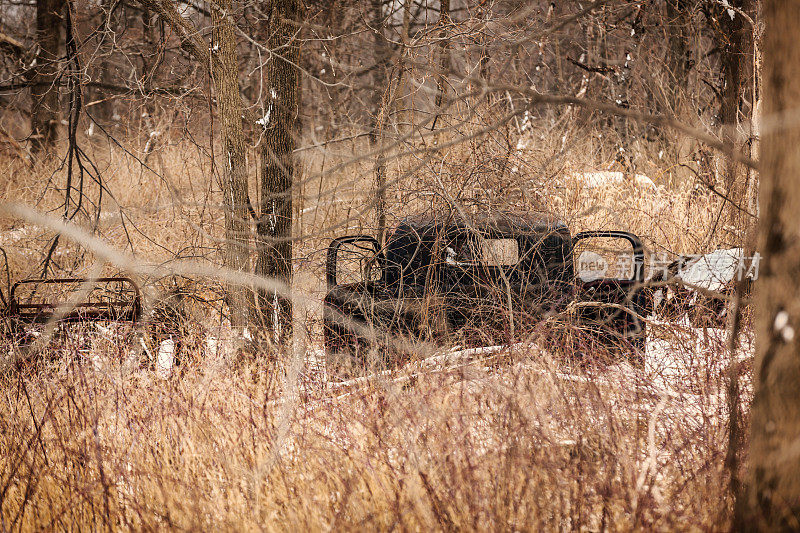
<point x="429" y="282"/>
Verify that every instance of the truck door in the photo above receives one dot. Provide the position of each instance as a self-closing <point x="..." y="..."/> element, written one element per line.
<point x="353" y="260"/>
<point x="609" y="278"/>
<point x="354" y="274"/>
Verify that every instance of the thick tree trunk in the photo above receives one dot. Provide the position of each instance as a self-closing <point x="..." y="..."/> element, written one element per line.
<point x="226" y="83"/>
<point x="736" y="42"/>
<point x="679" y="61"/>
<point x="484" y="16"/>
<point x="771" y="501"/>
<point x="679" y="52"/>
<point x="104" y="108"/>
<point x="45" y="112"/>
<point x="281" y="125"/>
<point x="223" y="66"/>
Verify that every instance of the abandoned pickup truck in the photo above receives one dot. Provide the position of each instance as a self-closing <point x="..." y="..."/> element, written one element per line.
<point x="458" y="276"/>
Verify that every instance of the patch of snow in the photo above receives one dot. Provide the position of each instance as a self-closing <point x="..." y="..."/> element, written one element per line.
<point x="450" y="256"/>
<point x="105" y="332"/>
<point x="526" y="122"/>
<point x="731" y="12"/>
<point x="781" y="320"/>
<point x="165" y="360"/>
<point x="713" y="271"/>
<point x="212" y="346"/>
<point x="264" y="121"/>
<point x="605" y="178"/>
<point x="12" y="236"/>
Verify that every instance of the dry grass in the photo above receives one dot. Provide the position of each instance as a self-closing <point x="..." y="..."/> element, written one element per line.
<point x="517" y="447"/>
<point x="517" y="441"/>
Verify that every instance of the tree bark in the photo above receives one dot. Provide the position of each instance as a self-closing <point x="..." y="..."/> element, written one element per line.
<point x="679" y="61"/>
<point x="222" y="65"/>
<point x="444" y="55"/>
<point x="148" y="73"/>
<point x="735" y="40"/>
<point x="771" y="500"/>
<point x="379" y="105"/>
<point x="281" y="126"/>
<point x="108" y="14"/>
<point x="678" y="22"/>
<point x="405" y="65"/>
<point x="225" y="73"/>
<point x="45" y="112"/>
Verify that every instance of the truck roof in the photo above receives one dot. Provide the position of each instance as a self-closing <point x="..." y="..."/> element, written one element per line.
<point x="494" y="222"/>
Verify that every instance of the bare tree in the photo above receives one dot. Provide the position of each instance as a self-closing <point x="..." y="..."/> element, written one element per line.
<point x="735" y="34"/>
<point x="772" y="498"/>
<point x="226" y="82"/>
<point x="45" y="112"/>
<point x="678" y="14"/>
<point x="679" y="64"/>
<point x="443" y="54"/>
<point x="381" y="51"/>
<point x="222" y="61"/>
<point x="274" y="227"/>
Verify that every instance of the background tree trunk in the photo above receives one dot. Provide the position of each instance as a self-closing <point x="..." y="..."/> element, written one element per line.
<point x="679" y="20"/>
<point x="149" y="70"/>
<point x="379" y="105"/>
<point x="402" y="105"/>
<point x="772" y="497"/>
<point x="45" y="112"/>
<point x="444" y="52"/>
<point x="735" y="40"/>
<point x="274" y="228"/>
<point x="226" y="83"/>
<point x="679" y="62"/>
<point x="443" y="65"/>
<point x="102" y="101"/>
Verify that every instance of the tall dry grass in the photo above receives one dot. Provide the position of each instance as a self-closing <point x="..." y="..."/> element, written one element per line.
<point x="91" y="438"/>
<point x="522" y="445"/>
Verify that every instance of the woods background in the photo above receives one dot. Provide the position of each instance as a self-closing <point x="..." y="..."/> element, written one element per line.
<point x="173" y="139"/>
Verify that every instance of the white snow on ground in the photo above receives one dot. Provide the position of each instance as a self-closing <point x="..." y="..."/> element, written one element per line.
<point x="165" y="360"/>
<point x="11" y="236"/>
<point x="670" y="367"/>
<point x="713" y="271"/>
<point x="607" y="178"/>
<point x="681" y="388"/>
